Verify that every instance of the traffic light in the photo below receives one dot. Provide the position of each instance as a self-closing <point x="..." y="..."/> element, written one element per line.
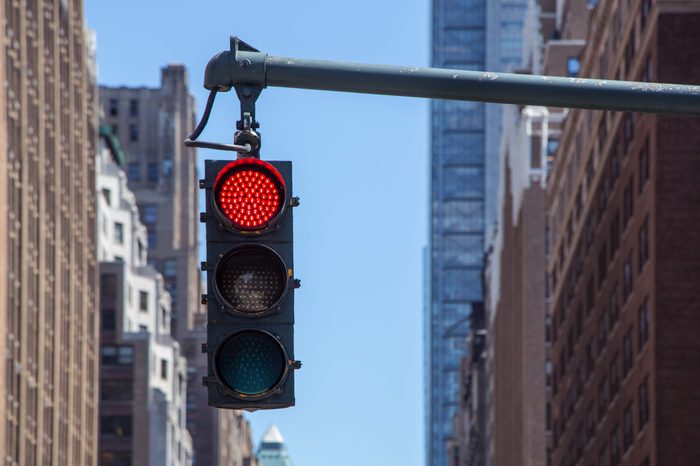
<point x="250" y="284"/>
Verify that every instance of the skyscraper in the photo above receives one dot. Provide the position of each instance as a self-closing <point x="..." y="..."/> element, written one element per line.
<point x="48" y="269"/>
<point x="471" y="35"/>
<point x="272" y="451"/>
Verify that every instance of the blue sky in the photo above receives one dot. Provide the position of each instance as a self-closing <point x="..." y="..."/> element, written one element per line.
<point x="361" y="170"/>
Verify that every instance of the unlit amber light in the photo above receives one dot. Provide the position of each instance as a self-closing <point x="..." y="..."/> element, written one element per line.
<point x="249" y="198"/>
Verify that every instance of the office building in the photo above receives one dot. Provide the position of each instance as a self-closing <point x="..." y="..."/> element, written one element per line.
<point x="622" y="206"/>
<point x="152" y="124"/>
<point x="472" y="35"/>
<point x="48" y="266"/>
<point x="143" y="375"/>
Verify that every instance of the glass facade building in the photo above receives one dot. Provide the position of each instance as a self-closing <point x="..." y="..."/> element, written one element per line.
<point x="470" y="35"/>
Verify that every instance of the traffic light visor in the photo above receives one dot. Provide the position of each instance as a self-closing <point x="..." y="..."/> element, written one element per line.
<point x="251" y="363"/>
<point x="250" y="279"/>
<point x="249" y="194"/>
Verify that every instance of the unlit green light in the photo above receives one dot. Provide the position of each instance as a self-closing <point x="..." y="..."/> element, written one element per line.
<point x="251" y="362"/>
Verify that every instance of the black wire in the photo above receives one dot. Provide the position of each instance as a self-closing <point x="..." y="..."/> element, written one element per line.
<point x="205" y="117"/>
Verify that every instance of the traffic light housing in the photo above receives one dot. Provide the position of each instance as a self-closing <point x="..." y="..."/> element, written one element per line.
<point x="250" y="284"/>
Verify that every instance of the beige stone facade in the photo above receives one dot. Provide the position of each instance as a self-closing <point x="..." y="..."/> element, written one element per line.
<point x="48" y="274"/>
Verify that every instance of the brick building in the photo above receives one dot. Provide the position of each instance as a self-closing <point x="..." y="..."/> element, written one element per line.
<point x="623" y="268"/>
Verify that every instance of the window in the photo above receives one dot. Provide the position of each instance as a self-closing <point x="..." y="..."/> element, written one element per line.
<point x="113" y="107"/>
<point x="107" y="195"/>
<point x="644" y="243"/>
<point x="614" y="306"/>
<point x="116" y="390"/>
<point x="133" y="108"/>
<point x="602" y="264"/>
<point x="627" y="278"/>
<point x="573" y="66"/>
<point x="614" y="234"/>
<point x="644" y="318"/>
<point x="589" y="358"/>
<point x="170" y="268"/>
<point x="644" y="165"/>
<point x="152" y="239"/>
<point x="149" y="214"/>
<point x="152" y="172"/>
<point x="133" y="133"/>
<point x="628" y="427"/>
<point x="629" y="52"/>
<point x="108" y="321"/>
<point x="579" y="323"/>
<point x="627" y="353"/>
<point x="615" y="376"/>
<point x="164" y="369"/>
<point x="646" y="8"/>
<point x="118" y="426"/>
<point x="628" y="131"/>
<point x="590" y="421"/>
<point x="644" y="403"/>
<point x="627" y="203"/>
<point x="134" y="171"/>
<point x="143" y="301"/>
<point x="167" y="167"/>
<point x="602" y="398"/>
<point x="108" y="287"/>
<point x="117" y="355"/>
<point x="649" y="70"/>
<point x="119" y="233"/>
<point x="602" y="332"/>
<point x="115" y="458"/>
<point x="615" y="446"/>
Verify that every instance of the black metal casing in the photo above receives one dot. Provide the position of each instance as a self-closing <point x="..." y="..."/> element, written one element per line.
<point x="222" y="321"/>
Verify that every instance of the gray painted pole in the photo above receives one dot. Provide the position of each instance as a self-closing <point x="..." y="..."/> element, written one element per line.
<point x="245" y="66"/>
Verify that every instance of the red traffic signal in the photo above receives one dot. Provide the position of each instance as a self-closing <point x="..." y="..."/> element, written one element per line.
<point x="249" y="195"/>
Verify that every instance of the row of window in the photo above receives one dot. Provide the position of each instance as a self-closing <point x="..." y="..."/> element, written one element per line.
<point x="153" y="171"/>
<point x="114" y="107"/>
<point x="610" y="313"/>
<point x="620" y="367"/>
<point x="596" y="215"/>
<point x="622" y="438"/>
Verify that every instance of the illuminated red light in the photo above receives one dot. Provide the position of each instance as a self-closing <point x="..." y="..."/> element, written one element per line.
<point x="249" y="193"/>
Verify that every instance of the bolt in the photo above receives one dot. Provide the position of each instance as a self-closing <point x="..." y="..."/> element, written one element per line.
<point x="204" y="299"/>
<point x="201" y="184"/>
<point x="202" y="217"/>
<point x="294" y="202"/>
<point x="203" y="265"/>
<point x="244" y="63"/>
<point x="296" y="364"/>
<point x="247" y="92"/>
<point x="297" y="283"/>
<point x="204" y="348"/>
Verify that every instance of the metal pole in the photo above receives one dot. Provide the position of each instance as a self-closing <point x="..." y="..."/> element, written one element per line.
<point x="245" y="66"/>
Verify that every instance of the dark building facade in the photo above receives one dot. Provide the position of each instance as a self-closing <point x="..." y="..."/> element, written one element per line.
<point x="623" y="268"/>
